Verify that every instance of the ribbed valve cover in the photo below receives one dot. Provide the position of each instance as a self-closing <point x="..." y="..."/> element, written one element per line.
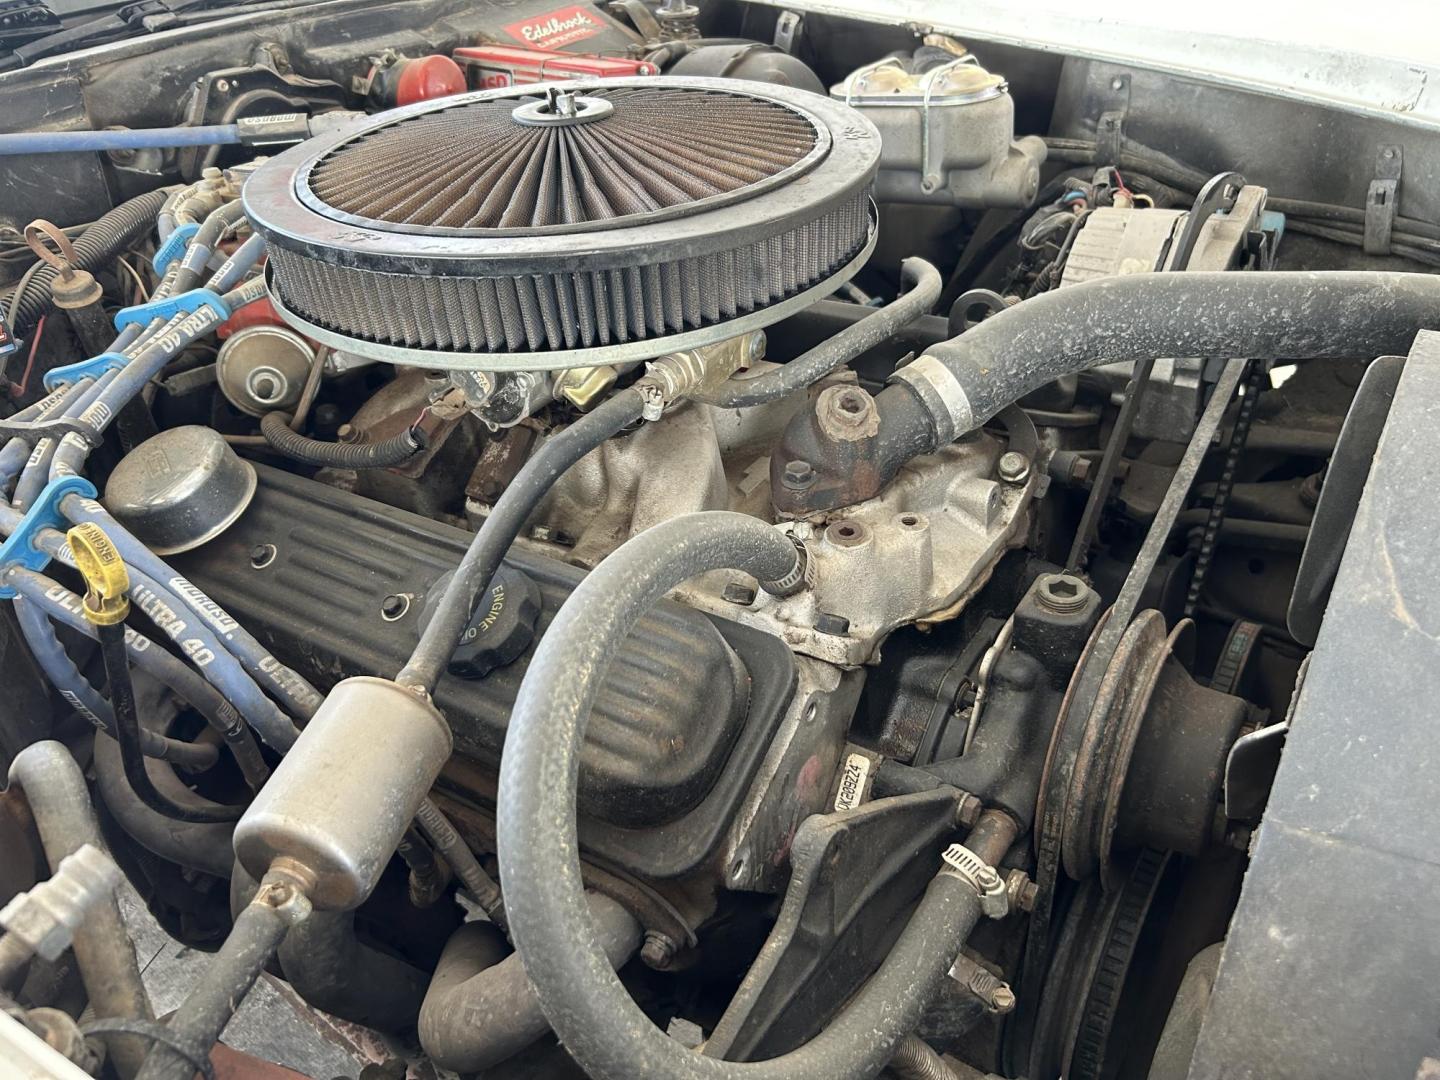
<point x="542" y="227"/>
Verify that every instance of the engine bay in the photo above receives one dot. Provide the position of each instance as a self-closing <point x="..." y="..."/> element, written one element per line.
<point x="703" y="540"/>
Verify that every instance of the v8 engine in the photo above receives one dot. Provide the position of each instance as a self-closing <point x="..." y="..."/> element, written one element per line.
<point x="700" y="541"/>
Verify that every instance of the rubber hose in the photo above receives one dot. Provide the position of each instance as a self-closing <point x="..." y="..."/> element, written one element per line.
<point x="587" y="1005"/>
<point x="196" y="846"/>
<point x="386" y="454"/>
<point x="85" y="699"/>
<point x="1131" y="317"/>
<point x="111" y="234"/>
<point x="1293" y="315"/>
<point x="127" y="734"/>
<point x="481" y="1008"/>
<point x="60" y="803"/>
<point x="482" y="559"/>
<point x="924" y="284"/>
<point x="228" y="977"/>
<point x="204" y="846"/>
<point x="332" y="969"/>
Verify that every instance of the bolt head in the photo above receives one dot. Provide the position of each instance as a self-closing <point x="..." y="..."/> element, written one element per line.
<point x="737" y="592"/>
<point x="797" y="474"/>
<point x="968" y="812"/>
<point x="1003" y="999"/>
<point x="658" y="950"/>
<point x="1014" y="467"/>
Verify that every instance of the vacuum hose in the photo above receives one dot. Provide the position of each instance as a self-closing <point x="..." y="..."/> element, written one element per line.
<point x="482" y="559"/>
<point x="396" y="450"/>
<point x="924" y="284"/>
<point x="550" y="919"/>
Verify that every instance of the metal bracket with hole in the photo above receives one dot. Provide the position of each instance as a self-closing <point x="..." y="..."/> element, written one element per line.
<point x="1110" y="125"/>
<point x="787" y="29"/>
<point x="1381" y="201"/>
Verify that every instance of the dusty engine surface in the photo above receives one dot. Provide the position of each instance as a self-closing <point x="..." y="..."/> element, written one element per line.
<point x="693" y="540"/>
<point x="677" y="729"/>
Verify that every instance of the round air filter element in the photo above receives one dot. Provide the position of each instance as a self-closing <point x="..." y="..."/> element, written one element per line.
<point x="555" y="226"/>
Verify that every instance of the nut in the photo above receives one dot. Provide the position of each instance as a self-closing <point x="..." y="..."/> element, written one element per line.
<point x="1021" y="890"/>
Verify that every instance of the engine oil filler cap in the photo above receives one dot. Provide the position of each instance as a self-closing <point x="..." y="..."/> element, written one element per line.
<point x="180" y="488"/>
<point x="502" y="627"/>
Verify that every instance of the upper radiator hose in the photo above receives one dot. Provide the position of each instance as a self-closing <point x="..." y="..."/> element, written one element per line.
<point x="957" y="385"/>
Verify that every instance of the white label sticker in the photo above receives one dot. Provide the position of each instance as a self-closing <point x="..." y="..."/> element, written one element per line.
<point x="852" y="782"/>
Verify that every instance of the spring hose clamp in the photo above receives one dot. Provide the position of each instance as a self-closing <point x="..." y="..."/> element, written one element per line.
<point x="980" y="876"/>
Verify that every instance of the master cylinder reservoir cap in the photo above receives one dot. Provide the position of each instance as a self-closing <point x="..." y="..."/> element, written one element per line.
<point x="179" y="489"/>
<point x="339" y="802"/>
